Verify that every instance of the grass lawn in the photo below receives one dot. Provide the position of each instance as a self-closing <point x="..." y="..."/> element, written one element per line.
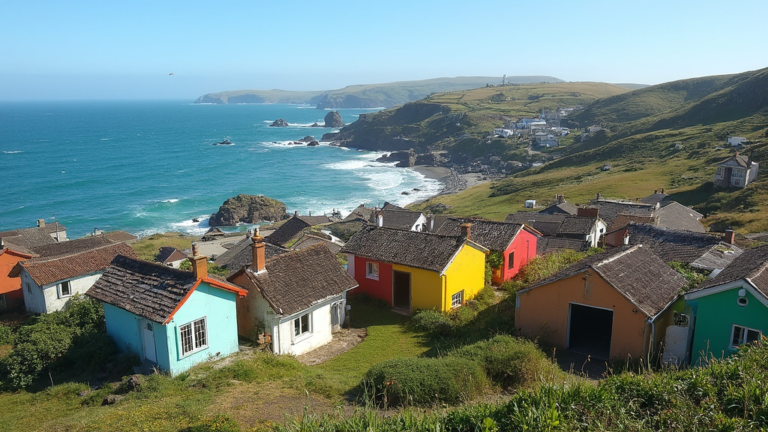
<point x="148" y="247"/>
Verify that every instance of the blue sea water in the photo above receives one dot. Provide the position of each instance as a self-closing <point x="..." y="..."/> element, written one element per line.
<point x="150" y="166"/>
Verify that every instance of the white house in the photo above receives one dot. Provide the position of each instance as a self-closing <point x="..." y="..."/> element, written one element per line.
<point x="171" y="257"/>
<point x="295" y="300"/>
<point x="736" y="171"/>
<point x="503" y="132"/>
<point x="48" y="282"/>
<point x="734" y="141"/>
<point x="401" y="219"/>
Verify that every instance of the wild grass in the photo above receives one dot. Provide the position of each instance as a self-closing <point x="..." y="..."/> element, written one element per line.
<point x="148" y="247"/>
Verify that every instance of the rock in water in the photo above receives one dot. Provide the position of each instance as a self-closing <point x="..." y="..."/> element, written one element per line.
<point x="333" y="120"/>
<point x="307" y="139"/>
<point x="279" y="123"/>
<point x="248" y="209"/>
<point x="313" y="143"/>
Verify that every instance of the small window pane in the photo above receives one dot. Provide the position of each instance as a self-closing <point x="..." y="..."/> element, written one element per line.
<point x="186" y="338"/>
<point x="66" y="289"/>
<point x="457" y="299"/>
<point x="201" y="339"/>
<point x="511" y="261"/>
<point x="752" y="336"/>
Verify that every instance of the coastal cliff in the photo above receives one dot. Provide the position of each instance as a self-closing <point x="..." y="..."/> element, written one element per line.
<point x="248" y="209"/>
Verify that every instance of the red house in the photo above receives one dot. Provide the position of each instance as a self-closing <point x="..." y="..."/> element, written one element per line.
<point x="516" y="242"/>
<point x="11" y="295"/>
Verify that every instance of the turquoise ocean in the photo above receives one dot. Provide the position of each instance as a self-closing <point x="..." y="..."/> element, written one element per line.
<point x="150" y="166"/>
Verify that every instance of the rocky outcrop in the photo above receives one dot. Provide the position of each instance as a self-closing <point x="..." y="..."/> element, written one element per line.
<point x="307" y="139"/>
<point x="279" y="123"/>
<point x="333" y="120"/>
<point x="313" y="143"/>
<point x="248" y="209"/>
<point x="315" y="125"/>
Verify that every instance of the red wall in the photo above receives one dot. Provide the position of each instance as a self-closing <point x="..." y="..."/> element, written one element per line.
<point x="9" y="286"/>
<point x="380" y="289"/>
<point x="524" y="248"/>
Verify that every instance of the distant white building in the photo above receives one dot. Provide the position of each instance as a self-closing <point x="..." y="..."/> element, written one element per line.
<point x="736" y="171"/>
<point x="530" y="203"/>
<point x="503" y="132"/>
<point x="734" y="141"/>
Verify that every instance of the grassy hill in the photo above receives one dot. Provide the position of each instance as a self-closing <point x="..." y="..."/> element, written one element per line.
<point x="366" y="95"/>
<point x="644" y="126"/>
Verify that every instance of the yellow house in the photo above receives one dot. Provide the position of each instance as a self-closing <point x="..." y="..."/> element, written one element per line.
<point x="416" y="270"/>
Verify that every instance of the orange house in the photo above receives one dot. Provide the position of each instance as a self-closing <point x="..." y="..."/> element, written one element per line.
<point x="610" y="305"/>
<point x="10" y="288"/>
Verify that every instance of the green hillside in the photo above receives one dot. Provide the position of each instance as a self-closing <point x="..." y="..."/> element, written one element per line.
<point x="367" y="95"/>
<point x="698" y="114"/>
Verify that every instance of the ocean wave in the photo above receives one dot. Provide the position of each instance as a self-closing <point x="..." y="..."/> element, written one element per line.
<point x="12" y="151"/>
<point x="107" y="139"/>
<point x="172" y="200"/>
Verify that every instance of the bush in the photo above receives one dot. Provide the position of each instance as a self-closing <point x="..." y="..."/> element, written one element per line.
<point x="462" y="315"/>
<point x="485" y="297"/>
<point x="508" y="361"/>
<point x="424" y="381"/>
<point x="512" y="286"/>
<point x="6" y="335"/>
<point x="430" y="320"/>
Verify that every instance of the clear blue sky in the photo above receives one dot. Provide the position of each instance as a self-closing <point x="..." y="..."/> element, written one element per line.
<point x="125" y="50"/>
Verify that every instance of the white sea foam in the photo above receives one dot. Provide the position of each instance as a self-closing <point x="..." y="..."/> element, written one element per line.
<point x="12" y="151"/>
<point x="107" y="139"/>
<point x="172" y="200"/>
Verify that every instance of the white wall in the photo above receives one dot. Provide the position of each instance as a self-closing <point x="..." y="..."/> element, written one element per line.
<point x="283" y="339"/>
<point x="47" y="300"/>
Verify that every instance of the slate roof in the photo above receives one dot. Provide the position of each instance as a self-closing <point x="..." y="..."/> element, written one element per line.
<point x="400" y="219"/>
<point x="700" y="250"/>
<point x="361" y="212"/>
<point x="636" y="272"/>
<point x="622" y="221"/>
<point x="315" y="220"/>
<point x="654" y="198"/>
<point x="149" y="290"/>
<point x="547" y="224"/>
<point x="549" y="244"/>
<point x="287" y="231"/>
<point x="609" y="210"/>
<point x="561" y="208"/>
<point x="751" y="265"/>
<point x="577" y="225"/>
<point x="120" y="236"/>
<point x="410" y="248"/>
<point x="170" y="254"/>
<point x="46" y="270"/>
<point x="491" y="235"/>
<point x="295" y="281"/>
<point x="27" y="238"/>
<point x="310" y="240"/>
<point x="240" y="255"/>
<point x="740" y="160"/>
<point x="388" y="206"/>
<point x="71" y="246"/>
<point x="679" y="217"/>
<point x="439" y="220"/>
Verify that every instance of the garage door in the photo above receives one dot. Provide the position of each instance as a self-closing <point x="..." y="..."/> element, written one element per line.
<point x="589" y="330"/>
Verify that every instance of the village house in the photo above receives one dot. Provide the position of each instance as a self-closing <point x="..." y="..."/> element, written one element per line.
<point x="586" y="226"/>
<point x="655" y="208"/>
<point x="49" y="281"/>
<point x="515" y="242"/>
<point x="172" y="319"/>
<point x="504" y="133"/>
<point x="11" y="296"/>
<point x="414" y="270"/>
<point x="291" y="230"/>
<point x="240" y="254"/>
<point x="296" y="300"/>
<point x="22" y="237"/>
<point x="736" y="171"/>
<point x="730" y="309"/>
<point x="736" y="141"/>
<point x="615" y="304"/>
<point x="400" y="219"/>
<point x="561" y="206"/>
<point x="170" y="256"/>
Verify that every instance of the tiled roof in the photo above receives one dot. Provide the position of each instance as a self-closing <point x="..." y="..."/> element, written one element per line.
<point x="120" y="236"/>
<point x="27" y="238"/>
<point x="740" y="160"/>
<point x="240" y="255"/>
<point x="72" y="246"/>
<point x="388" y="206"/>
<point x="654" y="198"/>
<point x="170" y="254"/>
<point x="295" y="281"/>
<point x="561" y="208"/>
<point x="610" y="209"/>
<point x="491" y="235"/>
<point x="679" y="217"/>
<point x="310" y="240"/>
<point x="751" y="265"/>
<point x="361" y="212"/>
<point x="636" y="272"/>
<point x="577" y="225"/>
<point x="621" y="221"/>
<point x="549" y="244"/>
<point x="315" y="220"/>
<point x="547" y="224"/>
<point x="413" y="249"/>
<point x="46" y="270"/>
<point x="439" y="220"/>
<point x="400" y="219"/>
<point x="698" y="249"/>
<point x="287" y="231"/>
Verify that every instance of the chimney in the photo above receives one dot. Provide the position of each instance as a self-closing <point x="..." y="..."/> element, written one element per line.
<point x="729" y="236"/>
<point x="626" y="236"/>
<point x="655" y="191"/>
<point x="598" y="196"/>
<point x="199" y="263"/>
<point x="40" y="223"/>
<point x="296" y="213"/>
<point x="587" y="212"/>
<point x="257" y="249"/>
<point x="430" y="222"/>
<point x="379" y="219"/>
<point x="662" y="190"/>
<point x="466" y="231"/>
<point x="560" y="198"/>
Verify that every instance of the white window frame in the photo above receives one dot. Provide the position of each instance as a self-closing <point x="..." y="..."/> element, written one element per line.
<point x="743" y="339"/>
<point x="193" y="328"/>
<point x="61" y="289"/>
<point x="370" y="265"/>
<point x="457" y="301"/>
<point x="306" y="332"/>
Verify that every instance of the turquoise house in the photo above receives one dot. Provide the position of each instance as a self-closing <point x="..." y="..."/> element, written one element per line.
<point x="172" y="319"/>
<point x="730" y="309"/>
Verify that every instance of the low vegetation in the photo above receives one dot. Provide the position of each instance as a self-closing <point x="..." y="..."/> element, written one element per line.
<point x="148" y="247"/>
<point x="543" y="266"/>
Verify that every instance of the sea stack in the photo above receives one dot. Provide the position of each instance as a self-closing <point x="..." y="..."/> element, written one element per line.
<point x="279" y="123"/>
<point x="333" y="120"/>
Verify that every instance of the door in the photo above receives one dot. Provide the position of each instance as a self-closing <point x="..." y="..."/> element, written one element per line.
<point x="148" y="335"/>
<point x="335" y="316"/>
<point x="401" y="290"/>
<point x="590" y="330"/>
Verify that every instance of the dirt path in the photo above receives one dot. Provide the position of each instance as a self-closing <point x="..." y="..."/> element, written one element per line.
<point x="343" y="341"/>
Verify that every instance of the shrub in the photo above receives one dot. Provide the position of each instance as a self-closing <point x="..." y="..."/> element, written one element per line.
<point x="430" y="320"/>
<point x="6" y="335"/>
<point x="462" y="315"/>
<point x="424" y="381"/>
<point x="512" y="286"/>
<point x="508" y="361"/>
<point x="485" y="297"/>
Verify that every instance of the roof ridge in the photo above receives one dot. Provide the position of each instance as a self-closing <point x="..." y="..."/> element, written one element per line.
<point x="40" y="260"/>
<point x="617" y="256"/>
<point x="154" y="264"/>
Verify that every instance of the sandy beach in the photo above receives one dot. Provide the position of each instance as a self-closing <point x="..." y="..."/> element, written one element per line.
<point x="452" y="181"/>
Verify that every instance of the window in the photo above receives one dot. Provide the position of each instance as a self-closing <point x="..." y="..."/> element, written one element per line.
<point x="457" y="299"/>
<point x="511" y="261"/>
<point x="194" y="337"/>
<point x="372" y="270"/>
<point x="301" y="325"/>
<point x="742" y="335"/>
<point x="65" y="289"/>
